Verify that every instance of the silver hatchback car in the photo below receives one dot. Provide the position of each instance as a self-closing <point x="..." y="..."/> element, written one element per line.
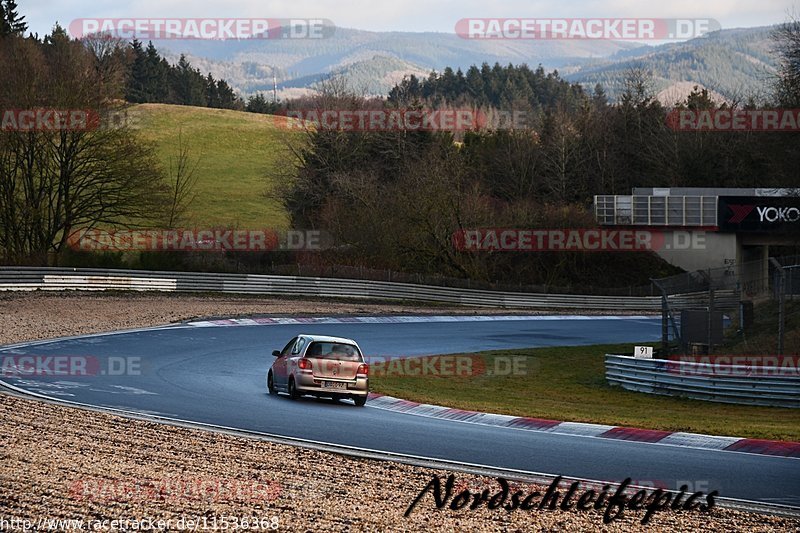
<point x="330" y="367"/>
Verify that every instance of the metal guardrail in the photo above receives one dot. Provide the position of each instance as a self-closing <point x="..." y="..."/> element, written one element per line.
<point x="35" y="278"/>
<point x="769" y="386"/>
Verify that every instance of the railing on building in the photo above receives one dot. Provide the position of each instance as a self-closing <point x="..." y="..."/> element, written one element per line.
<point x="672" y="211"/>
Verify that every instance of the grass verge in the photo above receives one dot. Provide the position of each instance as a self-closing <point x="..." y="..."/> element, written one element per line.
<point x="568" y="383"/>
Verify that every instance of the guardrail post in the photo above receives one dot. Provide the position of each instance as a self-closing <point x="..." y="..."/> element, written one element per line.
<point x="781" y="310"/>
<point x="664" y="318"/>
<point x="710" y="321"/>
<point x="664" y="325"/>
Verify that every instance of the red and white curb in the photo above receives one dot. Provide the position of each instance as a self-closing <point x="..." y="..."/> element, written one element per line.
<point x="267" y="321"/>
<point x="652" y="436"/>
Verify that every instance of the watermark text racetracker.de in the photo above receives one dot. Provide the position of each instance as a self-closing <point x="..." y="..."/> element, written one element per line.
<point x="197" y="240"/>
<point x="147" y="28"/>
<point x="178" y="490"/>
<point x="735" y="366"/>
<point x="575" y="240"/>
<point x="383" y="120"/>
<point x="734" y="120"/>
<point x="405" y="119"/>
<point x="36" y="365"/>
<point x="48" y="119"/>
<point x="450" y="366"/>
<point x="637" y="29"/>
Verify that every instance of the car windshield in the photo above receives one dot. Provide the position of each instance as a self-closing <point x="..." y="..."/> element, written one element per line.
<point x="333" y="350"/>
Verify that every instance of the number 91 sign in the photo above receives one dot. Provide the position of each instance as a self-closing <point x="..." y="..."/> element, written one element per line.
<point x="643" y="352"/>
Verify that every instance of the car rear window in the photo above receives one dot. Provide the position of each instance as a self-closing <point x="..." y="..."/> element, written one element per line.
<point x="333" y="350"/>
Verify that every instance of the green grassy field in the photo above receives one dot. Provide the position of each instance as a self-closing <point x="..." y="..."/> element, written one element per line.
<point x="236" y="151"/>
<point x="568" y="383"/>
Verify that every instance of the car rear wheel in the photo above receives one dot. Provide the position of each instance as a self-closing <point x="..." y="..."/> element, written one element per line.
<point x="271" y="384"/>
<point x="360" y="400"/>
<point x="293" y="394"/>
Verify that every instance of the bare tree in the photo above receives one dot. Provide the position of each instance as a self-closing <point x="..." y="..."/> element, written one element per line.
<point x="55" y="180"/>
<point x="110" y="62"/>
<point x="787" y="46"/>
<point x="564" y="158"/>
<point x="182" y="180"/>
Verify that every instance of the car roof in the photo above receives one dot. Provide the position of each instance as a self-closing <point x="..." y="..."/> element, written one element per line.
<point x="326" y="338"/>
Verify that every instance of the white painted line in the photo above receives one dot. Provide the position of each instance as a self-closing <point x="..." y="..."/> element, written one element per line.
<point x="696" y="440"/>
<point x="499" y="420"/>
<point x="579" y="428"/>
<point x="426" y="409"/>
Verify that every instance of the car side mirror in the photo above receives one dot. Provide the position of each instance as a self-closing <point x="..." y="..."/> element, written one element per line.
<point x="276" y="353"/>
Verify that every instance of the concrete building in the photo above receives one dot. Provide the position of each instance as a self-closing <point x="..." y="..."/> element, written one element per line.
<point x="726" y="229"/>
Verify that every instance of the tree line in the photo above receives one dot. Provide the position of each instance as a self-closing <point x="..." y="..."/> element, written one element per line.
<point x="497" y="86"/>
<point x="152" y="79"/>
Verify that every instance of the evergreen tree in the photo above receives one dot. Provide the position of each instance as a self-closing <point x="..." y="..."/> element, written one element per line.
<point x="259" y="104"/>
<point x="474" y="84"/>
<point x="187" y="84"/>
<point x="212" y="92"/>
<point x="599" y="98"/>
<point x="156" y="78"/>
<point x="10" y="21"/>
<point x="227" y="97"/>
<point x="135" y="89"/>
<point x="406" y="92"/>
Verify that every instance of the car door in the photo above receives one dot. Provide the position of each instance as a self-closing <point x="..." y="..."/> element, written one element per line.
<point x="279" y="367"/>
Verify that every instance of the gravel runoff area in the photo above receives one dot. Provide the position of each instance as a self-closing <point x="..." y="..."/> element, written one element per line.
<point x="66" y="463"/>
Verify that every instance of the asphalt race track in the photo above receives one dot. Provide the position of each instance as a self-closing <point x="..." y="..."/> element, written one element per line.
<point x="216" y="375"/>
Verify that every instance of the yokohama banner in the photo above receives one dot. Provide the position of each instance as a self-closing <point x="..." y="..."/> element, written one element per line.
<point x="759" y="214"/>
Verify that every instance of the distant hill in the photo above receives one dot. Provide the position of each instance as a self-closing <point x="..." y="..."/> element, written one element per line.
<point x="371" y="56"/>
<point x="376" y="75"/>
<point x="734" y="63"/>
<point x="678" y="91"/>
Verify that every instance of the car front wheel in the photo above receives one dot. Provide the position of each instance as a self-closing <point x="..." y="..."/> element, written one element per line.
<point x="271" y="384"/>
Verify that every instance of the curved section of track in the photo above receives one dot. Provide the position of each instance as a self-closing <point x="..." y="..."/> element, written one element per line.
<point x="215" y="375"/>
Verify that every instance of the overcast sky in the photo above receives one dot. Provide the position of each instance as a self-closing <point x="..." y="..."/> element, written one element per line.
<point x="409" y="15"/>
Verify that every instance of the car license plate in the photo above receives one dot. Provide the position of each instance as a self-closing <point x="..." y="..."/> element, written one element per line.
<point x="334" y="385"/>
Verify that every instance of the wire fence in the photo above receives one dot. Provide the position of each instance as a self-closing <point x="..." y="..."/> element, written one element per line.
<point x="792" y="282"/>
<point x="752" y="307"/>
